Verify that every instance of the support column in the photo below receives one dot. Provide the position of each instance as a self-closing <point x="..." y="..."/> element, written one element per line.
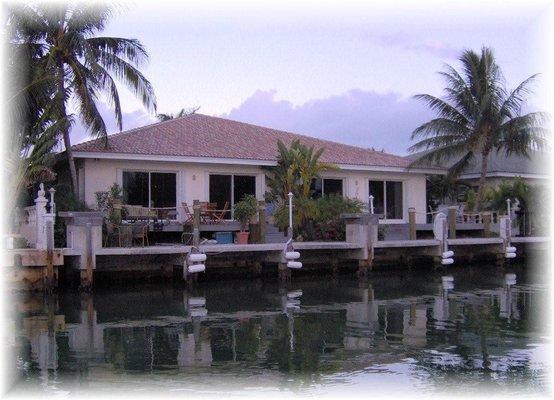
<point x="84" y="234"/>
<point x="262" y="220"/>
<point x="196" y="223"/>
<point x="486" y="224"/>
<point x="412" y="223"/>
<point x="452" y="222"/>
<point x="361" y="229"/>
<point x="284" y="272"/>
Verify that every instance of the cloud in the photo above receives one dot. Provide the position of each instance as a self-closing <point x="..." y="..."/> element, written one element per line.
<point x="130" y="120"/>
<point x="362" y="118"/>
<point x="432" y="47"/>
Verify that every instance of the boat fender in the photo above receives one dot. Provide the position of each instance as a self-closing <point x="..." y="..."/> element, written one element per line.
<point x="198" y="257"/>
<point x="196" y="268"/>
<point x="294" y="264"/>
<point x="448" y="254"/>
<point x="292" y="255"/>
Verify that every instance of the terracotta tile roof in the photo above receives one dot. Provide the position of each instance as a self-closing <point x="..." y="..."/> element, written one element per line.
<point x="199" y="135"/>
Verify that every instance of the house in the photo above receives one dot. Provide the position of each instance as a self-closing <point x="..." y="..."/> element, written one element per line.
<point x="199" y="157"/>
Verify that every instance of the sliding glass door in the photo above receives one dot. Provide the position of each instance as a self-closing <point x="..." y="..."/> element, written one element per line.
<point x="150" y="189"/>
<point x="230" y="189"/>
<point x="387" y="199"/>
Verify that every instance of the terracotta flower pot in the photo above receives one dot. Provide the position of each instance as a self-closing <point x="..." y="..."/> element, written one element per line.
<point x="242" y="237"/>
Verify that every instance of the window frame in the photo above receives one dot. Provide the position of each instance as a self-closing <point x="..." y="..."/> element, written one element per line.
<point x="385" y="198"/>
<point x="232" y="175"/>
<point x="342" y="179"/>
<point x="150" y="172"/>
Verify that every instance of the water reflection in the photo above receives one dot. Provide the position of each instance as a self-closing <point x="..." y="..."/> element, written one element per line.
<point x="312" y="329"/>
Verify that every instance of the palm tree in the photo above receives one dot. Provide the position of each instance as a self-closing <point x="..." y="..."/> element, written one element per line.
<point x="478" y="115"/>
<point x="296" y="167"/>
<point x="84" y="65"/>
<point x="182" y="113"/>
<point x="32" y="128"/>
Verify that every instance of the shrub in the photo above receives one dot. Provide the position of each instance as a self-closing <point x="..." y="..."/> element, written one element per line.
<point x="318" y="219"/>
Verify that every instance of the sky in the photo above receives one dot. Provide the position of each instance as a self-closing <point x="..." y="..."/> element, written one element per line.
<point x="342" y="71"/>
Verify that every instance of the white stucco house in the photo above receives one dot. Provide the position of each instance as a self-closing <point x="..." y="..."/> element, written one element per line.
<point x="199" y="157"/>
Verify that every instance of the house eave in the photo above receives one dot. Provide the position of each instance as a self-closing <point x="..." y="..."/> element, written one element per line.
<point x="239" y="161"/>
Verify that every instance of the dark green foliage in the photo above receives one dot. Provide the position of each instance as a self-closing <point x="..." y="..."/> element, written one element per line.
<point x="318" y="219"/>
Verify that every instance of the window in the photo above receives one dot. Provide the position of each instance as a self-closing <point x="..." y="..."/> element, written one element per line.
<point x="230" y="189"/>
<point x="326" y="187"/>
<point x="387" y="198"/>
<point x="150" y="189"/>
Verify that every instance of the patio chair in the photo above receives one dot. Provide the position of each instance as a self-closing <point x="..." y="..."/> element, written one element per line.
<point x="140" y="232"/>
<point x="188" y="216"/>
<point x="219" y="215"/>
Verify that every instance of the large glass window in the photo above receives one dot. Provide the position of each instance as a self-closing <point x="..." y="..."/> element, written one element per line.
<point x="163" y="191"/>
<point x="230" y="189"/>
<point x="135" y="188"/>
<point x="387" y="199"/>
<point x="150" y="189"/>
<point x="326" y="187"/>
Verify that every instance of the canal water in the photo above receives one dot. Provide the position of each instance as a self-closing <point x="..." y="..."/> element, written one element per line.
<point x="394" y="332"/>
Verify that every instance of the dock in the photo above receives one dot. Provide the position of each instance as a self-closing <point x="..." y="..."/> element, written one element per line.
<point x="86" y="254"/>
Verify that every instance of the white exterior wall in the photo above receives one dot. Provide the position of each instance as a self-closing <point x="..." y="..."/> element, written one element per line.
<point x="193" y="181"/>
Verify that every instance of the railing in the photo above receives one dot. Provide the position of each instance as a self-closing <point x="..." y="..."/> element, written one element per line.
<point x="28" y="224"/>
<point x="478" y="218"/>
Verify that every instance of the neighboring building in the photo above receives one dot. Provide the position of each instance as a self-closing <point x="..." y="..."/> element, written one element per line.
<point x="205" y="158"/>
<point x="503" y="167"/>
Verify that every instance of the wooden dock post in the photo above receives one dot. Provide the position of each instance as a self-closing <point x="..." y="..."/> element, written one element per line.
<point x="87" y="272"/>
<point x="262" y="220"/>
<point x="196" y="223"/>
<point x="412" y="223"/>
<point x="284" y="272"/>
<point x="452" y="222"/>
<point x="487" y="224"/>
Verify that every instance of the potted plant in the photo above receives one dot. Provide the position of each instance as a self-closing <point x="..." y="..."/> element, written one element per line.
<point x="245" y="211"/>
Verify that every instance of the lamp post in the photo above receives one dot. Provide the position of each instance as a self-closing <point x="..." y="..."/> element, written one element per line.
<point x="371" y="204"/>
<point x="290" y="216"/>
<point x="508" y="204"/>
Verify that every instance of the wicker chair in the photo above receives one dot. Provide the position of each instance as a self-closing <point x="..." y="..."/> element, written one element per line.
<point x="140" y="232"/>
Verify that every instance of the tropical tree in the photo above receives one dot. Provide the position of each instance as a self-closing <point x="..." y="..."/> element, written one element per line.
<point x="297" y="166"/>
<point x="182" y="113"/>
<point x="83" y="64"/>
<point x="31" y="129"/>
<point x="477" y="116"/>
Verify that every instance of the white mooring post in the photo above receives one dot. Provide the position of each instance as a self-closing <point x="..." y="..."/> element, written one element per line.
<point x="508" y="208"/>
<point x="371" y="204"/>
<point x="41" y="211"/>
<point x="289" y="233"/>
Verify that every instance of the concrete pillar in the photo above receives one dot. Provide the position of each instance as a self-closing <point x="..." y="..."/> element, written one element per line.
<point x="362" y="229"/>
<point x="84" y="234"/>
<point x="487" y="224"/>
<point x="412" y="223"/>
<point x="452" y="222"/>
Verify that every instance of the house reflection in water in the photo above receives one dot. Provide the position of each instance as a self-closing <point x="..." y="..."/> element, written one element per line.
<point x="290" y="331"/>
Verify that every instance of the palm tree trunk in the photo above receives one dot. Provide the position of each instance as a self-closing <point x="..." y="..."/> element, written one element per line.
<point x="65" y="133"/>
<point x="482" y="180"/>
